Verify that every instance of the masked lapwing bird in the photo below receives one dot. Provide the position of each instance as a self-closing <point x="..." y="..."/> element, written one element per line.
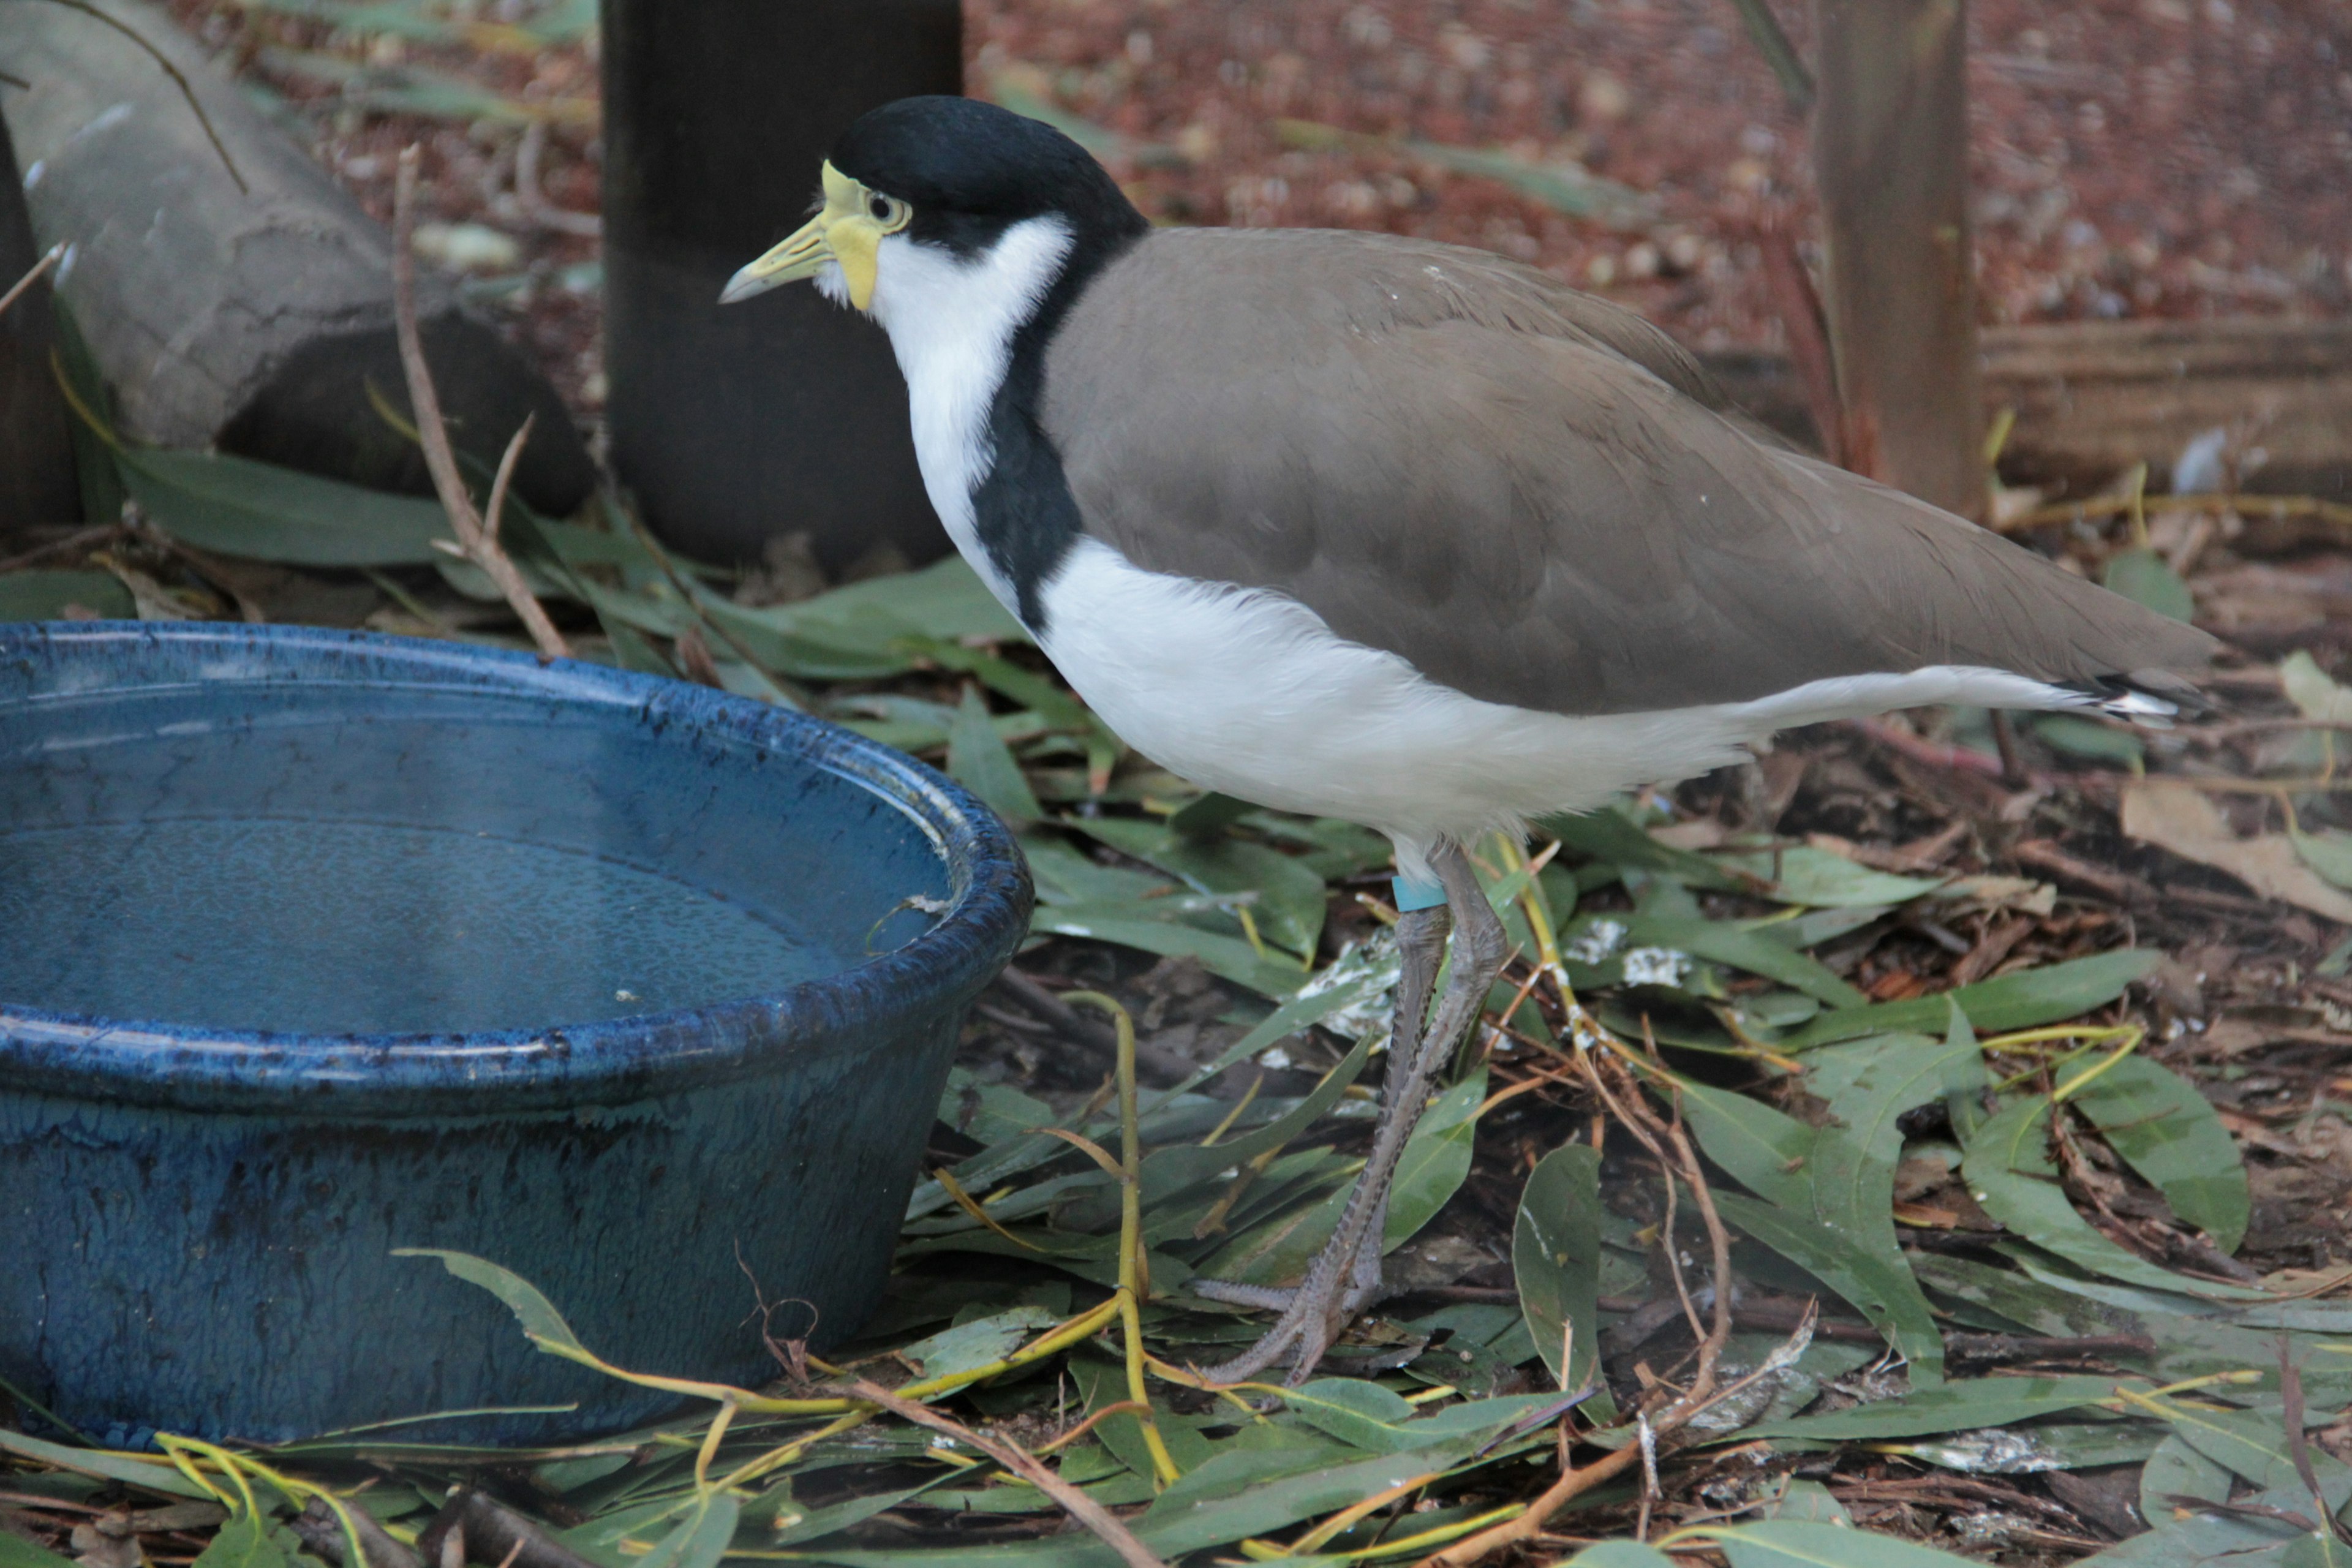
<point x="1379" y="529"/>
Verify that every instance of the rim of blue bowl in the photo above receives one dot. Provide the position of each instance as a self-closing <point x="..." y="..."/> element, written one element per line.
<point x="615" y="1061"/>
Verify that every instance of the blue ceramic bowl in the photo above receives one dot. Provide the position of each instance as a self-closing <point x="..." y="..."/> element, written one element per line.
<point x="314" y="945"/>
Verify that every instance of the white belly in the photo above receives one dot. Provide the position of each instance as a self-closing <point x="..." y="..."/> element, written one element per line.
<point x="1251" y="693"/>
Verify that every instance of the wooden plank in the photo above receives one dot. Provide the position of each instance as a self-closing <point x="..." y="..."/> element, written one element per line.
<point x="1890" y="159"/>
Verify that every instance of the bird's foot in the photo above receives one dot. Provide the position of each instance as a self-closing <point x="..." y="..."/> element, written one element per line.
<point x="1314" y="1312"/>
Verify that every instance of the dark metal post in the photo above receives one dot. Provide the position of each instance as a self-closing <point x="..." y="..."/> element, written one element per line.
<point x="785" y="413"/>
<point x="1890" y="149"/>
<point x="37" y="463"/>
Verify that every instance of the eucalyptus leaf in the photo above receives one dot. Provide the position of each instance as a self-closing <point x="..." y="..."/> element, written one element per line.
<point x="2020" y="1001"/>
<point x="978" y="760"/>
<point x="2171" y="1135"/>
<point x="701" y="1538"/>
<point x="1435" y="1161"/>
<point x="1290" y="904"/>
<point x="243" y="1542"/>
<point x="236" y="506"/>
<point x="1805" y="1544"/>
<point x="977" y="1342"/>
<point x="541" y="1323"/>
<point x="2328" y="852"/>
<point x="2009" y="1173"/>
<point x="1826" y="1195"/>
<point x="16" y="1552"/>
<point x="1804" y="875"/>
<point x="1721" y="942"/>
<point x="52" y="595"/>
<point x="1133" y="925"/>
<point x="2176" y="1470"/>
<point x="1555" y="1264"/>
<point x="144" y="1475"/>
<point x="2144" y="577"/>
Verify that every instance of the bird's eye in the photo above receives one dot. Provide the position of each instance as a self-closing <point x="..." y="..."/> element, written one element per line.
<point x="879" y="207"/>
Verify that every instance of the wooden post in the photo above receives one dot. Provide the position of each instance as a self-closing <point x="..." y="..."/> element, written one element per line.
<point x="1890" y="155"/>
<point x="734" y="425"/>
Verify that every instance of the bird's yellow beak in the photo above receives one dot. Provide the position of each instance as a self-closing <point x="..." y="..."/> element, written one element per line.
<point x="846" y="231"/>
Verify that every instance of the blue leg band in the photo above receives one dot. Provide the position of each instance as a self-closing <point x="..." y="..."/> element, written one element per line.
<point x="1410" y="896"/>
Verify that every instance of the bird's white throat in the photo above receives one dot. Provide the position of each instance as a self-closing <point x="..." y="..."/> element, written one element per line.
<point x="952" y="321"/>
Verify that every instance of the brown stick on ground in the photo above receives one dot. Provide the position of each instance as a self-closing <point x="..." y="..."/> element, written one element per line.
<point x="482" y="1530"/>
<point x="16" y="290"/>
<point x="477" y="538"/>
<point x="1672" y="1148"/>
<point x="1013" y="1458"/>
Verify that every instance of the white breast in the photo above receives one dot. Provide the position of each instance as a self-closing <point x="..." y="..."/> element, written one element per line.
<point x="951" y="323"/>
<point x="1251" y="693"/>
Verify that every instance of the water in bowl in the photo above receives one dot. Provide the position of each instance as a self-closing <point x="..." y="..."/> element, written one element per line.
<point x="335" y="926"/>
<point x="313" y="858"/>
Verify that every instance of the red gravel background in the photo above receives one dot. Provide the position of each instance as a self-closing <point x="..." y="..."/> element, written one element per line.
<point x="2132" y="157"/>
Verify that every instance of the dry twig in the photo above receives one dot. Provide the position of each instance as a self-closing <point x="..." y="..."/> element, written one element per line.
<point x="16" y="290"/>
<point x="478" y="538"/>
<point x="1018" y="1460"/>
<point x="1673" y="1150"/>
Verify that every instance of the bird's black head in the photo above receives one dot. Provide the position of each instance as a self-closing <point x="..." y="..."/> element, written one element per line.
<point x="968" y="170"/>
<point x="952" y="175"/>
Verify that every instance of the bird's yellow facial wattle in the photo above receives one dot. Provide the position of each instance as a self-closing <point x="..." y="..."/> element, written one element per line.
<point x="848" y="230"/>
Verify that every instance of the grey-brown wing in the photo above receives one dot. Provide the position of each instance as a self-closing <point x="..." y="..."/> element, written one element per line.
<point x="1518" y="505"/>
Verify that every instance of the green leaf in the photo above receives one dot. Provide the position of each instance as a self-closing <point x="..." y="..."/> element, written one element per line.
<point x="1622" y="1554"/>
<point x="1613" y="839"/>
<point x="701" y="1538"/>
<point x="1133" y="925"/>
<point x="1359" y="1413"/>
<point x="1870" y="1084"/>
<point x="2182" y="1539"/>
<point x="541" y="1323"/>
<point x="2254" y="1445"/>
<point x="978" y="760"/>
<point x="1290" y="901"/>
<point x="1808" y="1502"/>
<point x="1798" y="1543"/>
<point x="144" y="1475"/>
<point x="2171" y="1135"/>
<point x="2079" y="737"/>
<point x="1178" y="1168"/>
<point x="2020" y="1001"/>
<point x="1947" y="1407"/>
<point x="1721" y="942"/>
<point x="1804" y="875"/>
<point x="1435" y="1161"/>
<point x="2315" y="694"/>
<point x="2176" y="1470"/>
<point x="92" y="424"/>
<point x="977" y="1342"/>
<point x="1855" y="1274"/>
<point x="2144" y="577"/>
<point x="236" y="506"/>
<point x="2328" y="852"/>
<point x="16" y="1552"/>
<point x="242" y="1542"/>
<point x="1556" y="1263"/>
<point x="2322" y="1548"/>
<point x="2009" y="1172"/>
<point x="818" y="1524"/>
<point x="2027" y="1305"/>
<point x="48" y="595"/>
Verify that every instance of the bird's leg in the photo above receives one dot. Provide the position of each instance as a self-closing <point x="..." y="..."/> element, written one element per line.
<point x="1346" y="1273"/>
<point x="1421" y="951"/>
